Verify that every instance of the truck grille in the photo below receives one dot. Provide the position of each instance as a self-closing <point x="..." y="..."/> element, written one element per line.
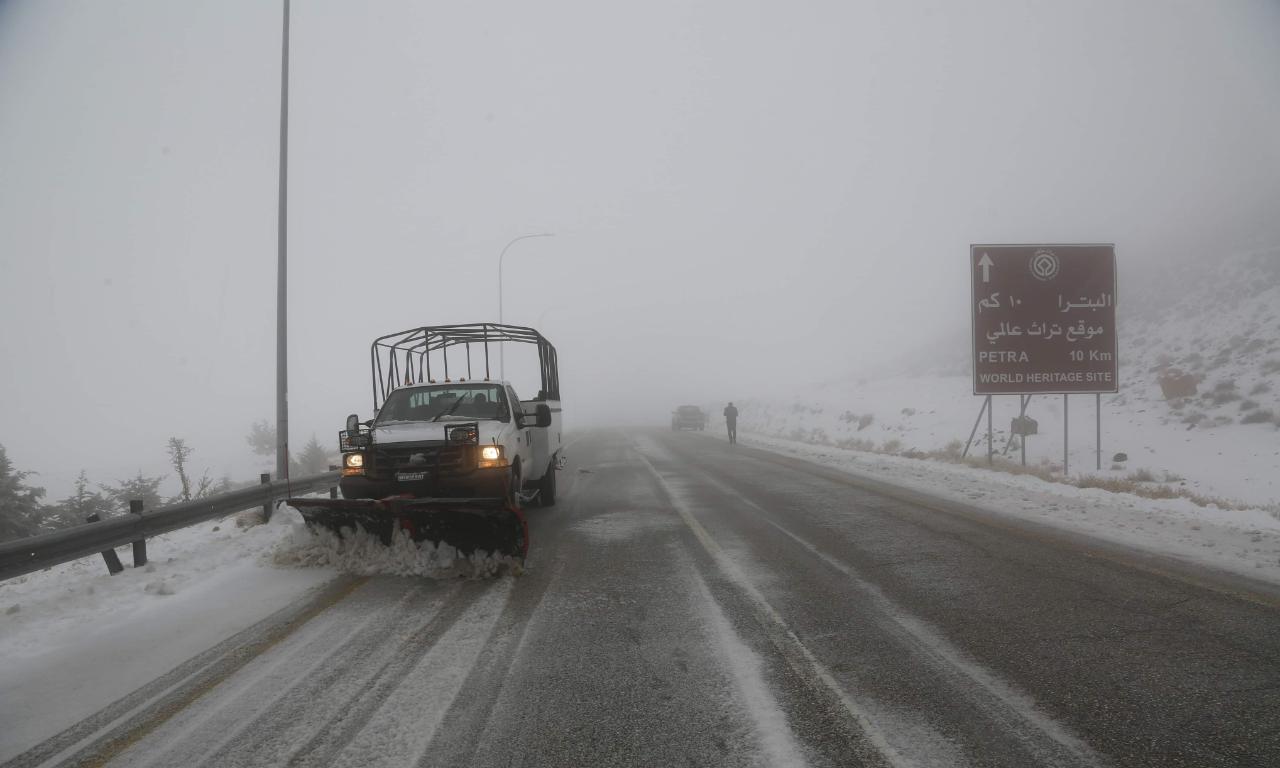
<point x="431" y="459"/>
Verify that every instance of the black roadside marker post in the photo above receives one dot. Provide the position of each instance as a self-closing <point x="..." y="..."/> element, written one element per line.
<point x="139" y="546"/>
<point x="113" y="560"/>
<point x="265" y="479"/>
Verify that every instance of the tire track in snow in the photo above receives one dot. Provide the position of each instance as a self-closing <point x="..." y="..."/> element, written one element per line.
<point x="97" y="739"/>
<point x="401" y="730"/>
<point x="255" y="718"/>
<point x="362" y="705"/>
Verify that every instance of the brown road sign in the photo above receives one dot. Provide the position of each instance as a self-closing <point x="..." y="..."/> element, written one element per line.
<point x="1044" y="319"/>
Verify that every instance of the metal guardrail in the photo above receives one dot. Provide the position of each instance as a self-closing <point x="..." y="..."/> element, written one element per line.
<point x="34" y="553"/>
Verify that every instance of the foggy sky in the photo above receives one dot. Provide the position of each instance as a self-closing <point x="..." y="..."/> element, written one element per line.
<point x="747" y="197"/>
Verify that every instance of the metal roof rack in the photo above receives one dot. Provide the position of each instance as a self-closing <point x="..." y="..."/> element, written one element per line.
<point x="403" y="358"/>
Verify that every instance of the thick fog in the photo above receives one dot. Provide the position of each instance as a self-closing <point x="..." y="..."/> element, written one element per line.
<point x="745" y="197"/>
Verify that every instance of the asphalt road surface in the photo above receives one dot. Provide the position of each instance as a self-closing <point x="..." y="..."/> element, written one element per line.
<point x="691" y="603"/>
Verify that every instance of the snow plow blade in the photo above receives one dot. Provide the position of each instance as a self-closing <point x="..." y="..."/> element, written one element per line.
<point x="469" y="525"/>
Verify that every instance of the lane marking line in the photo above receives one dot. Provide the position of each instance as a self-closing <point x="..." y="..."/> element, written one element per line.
<point x="813" y="671"/>
<point x="776" y="738"/>
<point x="930" y="642"/>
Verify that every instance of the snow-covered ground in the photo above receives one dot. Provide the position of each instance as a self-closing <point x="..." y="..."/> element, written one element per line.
<point x="1243" y="541"/>
<point x="75" y="639"/>
<point x="929" y="413"/>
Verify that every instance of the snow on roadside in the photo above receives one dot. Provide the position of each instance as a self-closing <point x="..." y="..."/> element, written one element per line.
<point x="189" y="564"/>
<point x="75" y="639"/>
<point x="928" y="413"/>
<point x="1246" y="542"/>
<point x="364" y="554"/>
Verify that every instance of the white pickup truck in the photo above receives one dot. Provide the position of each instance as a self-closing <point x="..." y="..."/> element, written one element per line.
<point x="450" y="455"/>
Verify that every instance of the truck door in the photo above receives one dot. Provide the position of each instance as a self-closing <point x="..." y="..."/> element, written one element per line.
<point x="524" y="440"/>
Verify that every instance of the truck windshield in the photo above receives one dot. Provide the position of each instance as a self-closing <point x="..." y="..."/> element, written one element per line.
<point x="446" y="401"/>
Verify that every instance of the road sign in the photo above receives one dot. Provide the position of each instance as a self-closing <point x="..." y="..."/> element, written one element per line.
<point x="1044" y="319"/>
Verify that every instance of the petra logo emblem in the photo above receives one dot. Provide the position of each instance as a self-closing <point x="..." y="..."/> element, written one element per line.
<point x="1045" y="265"/>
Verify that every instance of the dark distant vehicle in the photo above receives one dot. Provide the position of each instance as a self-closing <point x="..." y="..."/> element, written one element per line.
<point x="688" y="417"/>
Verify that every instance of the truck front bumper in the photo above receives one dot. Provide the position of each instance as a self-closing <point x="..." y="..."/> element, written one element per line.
<point x="478" y="483"/>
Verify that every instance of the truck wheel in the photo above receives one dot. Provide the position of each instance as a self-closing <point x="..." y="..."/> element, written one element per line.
<point x="547" y="487"/>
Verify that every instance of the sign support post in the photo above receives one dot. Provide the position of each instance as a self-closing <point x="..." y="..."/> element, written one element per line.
<point x="1025" y="400"/>
<point x="985" y="404"/>
<point x="1066" y="432"/>
<point x="1098" y="404"/>
<point x="990" y="453"/>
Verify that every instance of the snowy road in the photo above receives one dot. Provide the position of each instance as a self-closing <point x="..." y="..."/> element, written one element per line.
<point x="692" y="603"/>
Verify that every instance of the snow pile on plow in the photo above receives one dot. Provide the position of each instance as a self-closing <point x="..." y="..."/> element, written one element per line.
<point x="362" y="553"/>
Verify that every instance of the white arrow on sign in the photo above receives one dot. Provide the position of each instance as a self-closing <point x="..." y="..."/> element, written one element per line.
<point x="986" y="264"/>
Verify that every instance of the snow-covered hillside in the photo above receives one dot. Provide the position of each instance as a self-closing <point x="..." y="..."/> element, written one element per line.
<point x="1198" y="409"/>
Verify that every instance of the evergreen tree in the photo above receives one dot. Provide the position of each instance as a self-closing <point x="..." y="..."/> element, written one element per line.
<point x="76" y="508"/>
<point x="139" y="487"/>
<point x="313" y="458"/>
<point x="262" y="438"/>
<point x="20" y="510"/>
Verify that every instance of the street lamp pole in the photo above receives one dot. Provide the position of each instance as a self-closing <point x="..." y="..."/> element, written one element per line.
<point x="282" y="285"/>
<point x="502" y="367"/>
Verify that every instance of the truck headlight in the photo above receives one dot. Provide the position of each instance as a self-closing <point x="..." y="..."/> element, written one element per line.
<point x="352" y="464"/>
<point x="491" y="456"/>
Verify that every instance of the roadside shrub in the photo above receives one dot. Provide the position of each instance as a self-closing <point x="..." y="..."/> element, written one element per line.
<point x="1260" y="416"/>
<point x="1261" y="388"/>
<point x="1124" y="485"/>
<point x="1142" y="476"/>
<point x="1271" y="366"/>
<point x="891" y="446"/>
<point x="855" y="444"/>
<point x="1248" y="405"/>
<point x="864" y="421"/>
<point x="1175" y="384"/>
<point x="1226" y="385"/>
<point x="1224" y="396"/>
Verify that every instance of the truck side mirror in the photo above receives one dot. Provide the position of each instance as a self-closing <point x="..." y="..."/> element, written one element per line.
<point x="353" y="424"/>
<point x="542" y="415"/>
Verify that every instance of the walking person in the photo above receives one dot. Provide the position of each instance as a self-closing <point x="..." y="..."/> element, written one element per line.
<point x="731" y="422"/>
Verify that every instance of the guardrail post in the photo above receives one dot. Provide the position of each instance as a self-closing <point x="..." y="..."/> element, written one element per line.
<point x="265" y="479"/>
<point x="333" y="490"/>
<point x="139" y="546"/>
<point x="113" y="560"/>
